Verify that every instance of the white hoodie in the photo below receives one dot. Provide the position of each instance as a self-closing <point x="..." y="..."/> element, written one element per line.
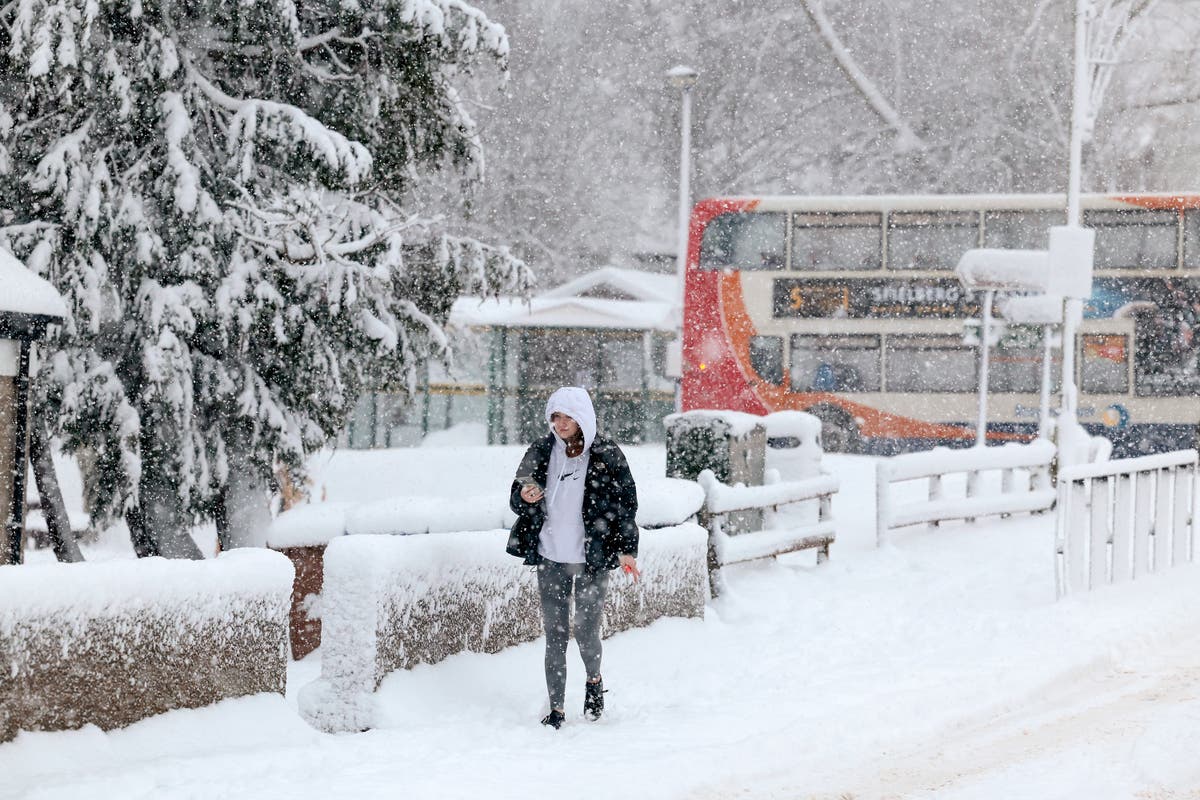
<point x="562" y="533"/>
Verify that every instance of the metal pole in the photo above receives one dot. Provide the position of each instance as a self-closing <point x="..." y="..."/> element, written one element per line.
<point x="985" y="328"/>
<point x="1074" y="305"/>
<point x="1044" y="410"/>
<point x="685" y="170"/>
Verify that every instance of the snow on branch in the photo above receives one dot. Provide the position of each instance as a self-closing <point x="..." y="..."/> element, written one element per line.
<point x="907" y="138"/>
<point x="60" y="172"/>
<point x="447" y="18"/>
<point x="286" y="126"/>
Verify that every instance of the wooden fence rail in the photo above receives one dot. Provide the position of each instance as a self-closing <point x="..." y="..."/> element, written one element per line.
<point x="725" y="549"/>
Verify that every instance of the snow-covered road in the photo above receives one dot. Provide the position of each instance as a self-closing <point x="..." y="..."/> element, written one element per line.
<point x="1107" y="732"/>
<point x="938" y="666"/>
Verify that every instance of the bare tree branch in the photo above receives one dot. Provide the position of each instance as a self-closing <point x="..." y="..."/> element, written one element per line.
<point x="907" y="137"/>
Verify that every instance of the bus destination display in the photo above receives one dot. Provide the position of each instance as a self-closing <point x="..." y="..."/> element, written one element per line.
<point x="866" y="298"/>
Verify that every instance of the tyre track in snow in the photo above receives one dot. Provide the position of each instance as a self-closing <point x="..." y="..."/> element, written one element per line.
<point x="1102" y="711"/>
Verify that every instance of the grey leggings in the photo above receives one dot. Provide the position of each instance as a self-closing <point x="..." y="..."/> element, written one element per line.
<point x="555" y="582"/>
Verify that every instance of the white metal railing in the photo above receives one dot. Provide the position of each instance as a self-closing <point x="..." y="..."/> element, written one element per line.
<point x="934" y="465"/>
<point x="721" y="499"/>
<point x="1121" y="519"/>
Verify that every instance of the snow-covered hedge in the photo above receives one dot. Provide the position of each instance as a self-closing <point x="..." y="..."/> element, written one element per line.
<point x="112" y="642"/>
<point x="391" y="602"/>
<point x="661" y="502"/>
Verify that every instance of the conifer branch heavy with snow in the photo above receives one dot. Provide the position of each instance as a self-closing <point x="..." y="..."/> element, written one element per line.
<point x="218" y="189"/>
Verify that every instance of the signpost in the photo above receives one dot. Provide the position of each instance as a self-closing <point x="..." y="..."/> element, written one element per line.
<point x="991" y="270"/>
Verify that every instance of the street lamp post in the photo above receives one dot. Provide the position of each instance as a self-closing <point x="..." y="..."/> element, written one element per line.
<point x="683" y="78"/>
<point x="1069" y="431"/>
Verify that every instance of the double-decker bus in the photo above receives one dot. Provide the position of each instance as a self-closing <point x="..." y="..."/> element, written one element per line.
<point x="849" y="308"/>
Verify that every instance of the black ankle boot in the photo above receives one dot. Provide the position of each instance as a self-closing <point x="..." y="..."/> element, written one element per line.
<point x="554" y="719"/>
<point x="593" y="699"/>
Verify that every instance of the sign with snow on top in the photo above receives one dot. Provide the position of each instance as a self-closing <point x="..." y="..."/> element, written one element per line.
<point x="1065" y="269"/>
<point x="994" y="269"/>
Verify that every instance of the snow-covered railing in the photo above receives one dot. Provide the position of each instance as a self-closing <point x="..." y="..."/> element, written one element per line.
<point x="392" y="602"/>
<point x="785" y="534"/>
<point x="1118" y="520"/>
<point x="111" y="642"/>
<point x="934" y="465"/>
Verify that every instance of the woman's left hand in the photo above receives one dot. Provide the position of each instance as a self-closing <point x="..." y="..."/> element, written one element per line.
<point x="629" y="565"/>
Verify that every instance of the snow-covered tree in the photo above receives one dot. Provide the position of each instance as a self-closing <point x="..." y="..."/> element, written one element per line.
<point x="218" y="187"/>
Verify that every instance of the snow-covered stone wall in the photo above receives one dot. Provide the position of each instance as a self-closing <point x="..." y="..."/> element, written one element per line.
<point x="112" y="642"/>
<point x="391" y="602"/>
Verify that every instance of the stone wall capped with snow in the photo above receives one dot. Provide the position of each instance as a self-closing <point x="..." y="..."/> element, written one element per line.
<point x="392" y="602"/>
<point x="109" y="643"/>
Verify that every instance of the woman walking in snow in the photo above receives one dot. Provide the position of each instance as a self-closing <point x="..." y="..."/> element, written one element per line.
<point x="575" y="502"/>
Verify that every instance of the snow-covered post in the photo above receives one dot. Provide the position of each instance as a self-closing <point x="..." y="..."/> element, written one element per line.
<point x="30" y="304"/>
<point x="683" y="78"/>
<point x="1044" y="401"/>
<point x="985" y="346"/>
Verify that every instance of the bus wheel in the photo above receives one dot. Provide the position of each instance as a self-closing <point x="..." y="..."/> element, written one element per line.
<point x="839" y="433"/>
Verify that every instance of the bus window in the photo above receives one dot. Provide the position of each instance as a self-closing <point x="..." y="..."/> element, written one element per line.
<point x="1016" y="363"/>
<point x="930" y="240"/>
<point x="1020" y="230"/>
<point x="835" y="363"/>
<point x="1191" y="239"/>
<point x="766" y="358"/>
<point x="744" y="240"/>
<point x="1105" y="364"/>
<point x="1135" y="239"/>
<point x="930" y="364"/>
<point x="837" y="241"/>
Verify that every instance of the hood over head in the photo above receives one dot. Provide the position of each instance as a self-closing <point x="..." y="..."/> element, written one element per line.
<point x="575" y="403"/>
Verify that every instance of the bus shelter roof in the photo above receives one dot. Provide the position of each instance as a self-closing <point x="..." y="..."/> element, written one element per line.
<point x="564" y="312"/>
<point x="28" y="302"/>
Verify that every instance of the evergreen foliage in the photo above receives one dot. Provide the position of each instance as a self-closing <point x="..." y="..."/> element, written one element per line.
<point x="218" y="189"/>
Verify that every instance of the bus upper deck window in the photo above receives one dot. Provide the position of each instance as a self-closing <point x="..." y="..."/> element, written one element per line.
<point x="833" y="241"/>
<point x="1020" y="230"/>
<point x="744" y="240"/>
<point x="1135" y="239"/>
<point x="930" y="240"/>
<point x="766" y="358"/>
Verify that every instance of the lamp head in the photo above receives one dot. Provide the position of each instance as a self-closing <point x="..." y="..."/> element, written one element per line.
<point x="682" y="77"/>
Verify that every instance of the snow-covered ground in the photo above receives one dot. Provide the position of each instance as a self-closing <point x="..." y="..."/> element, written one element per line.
<point x="938" y="666"/>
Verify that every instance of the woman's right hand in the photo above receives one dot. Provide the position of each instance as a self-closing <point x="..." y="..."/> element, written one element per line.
<point x="531" y="493"/>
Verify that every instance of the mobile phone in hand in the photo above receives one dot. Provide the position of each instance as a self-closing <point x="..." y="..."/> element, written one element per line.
<point x="527" y="480"/>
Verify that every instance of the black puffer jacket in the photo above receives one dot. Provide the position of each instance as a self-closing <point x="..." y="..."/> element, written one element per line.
<point x="609" y="506"/>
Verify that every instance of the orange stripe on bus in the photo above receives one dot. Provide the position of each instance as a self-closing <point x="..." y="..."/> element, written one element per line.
<point x="1179" y="202"/>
